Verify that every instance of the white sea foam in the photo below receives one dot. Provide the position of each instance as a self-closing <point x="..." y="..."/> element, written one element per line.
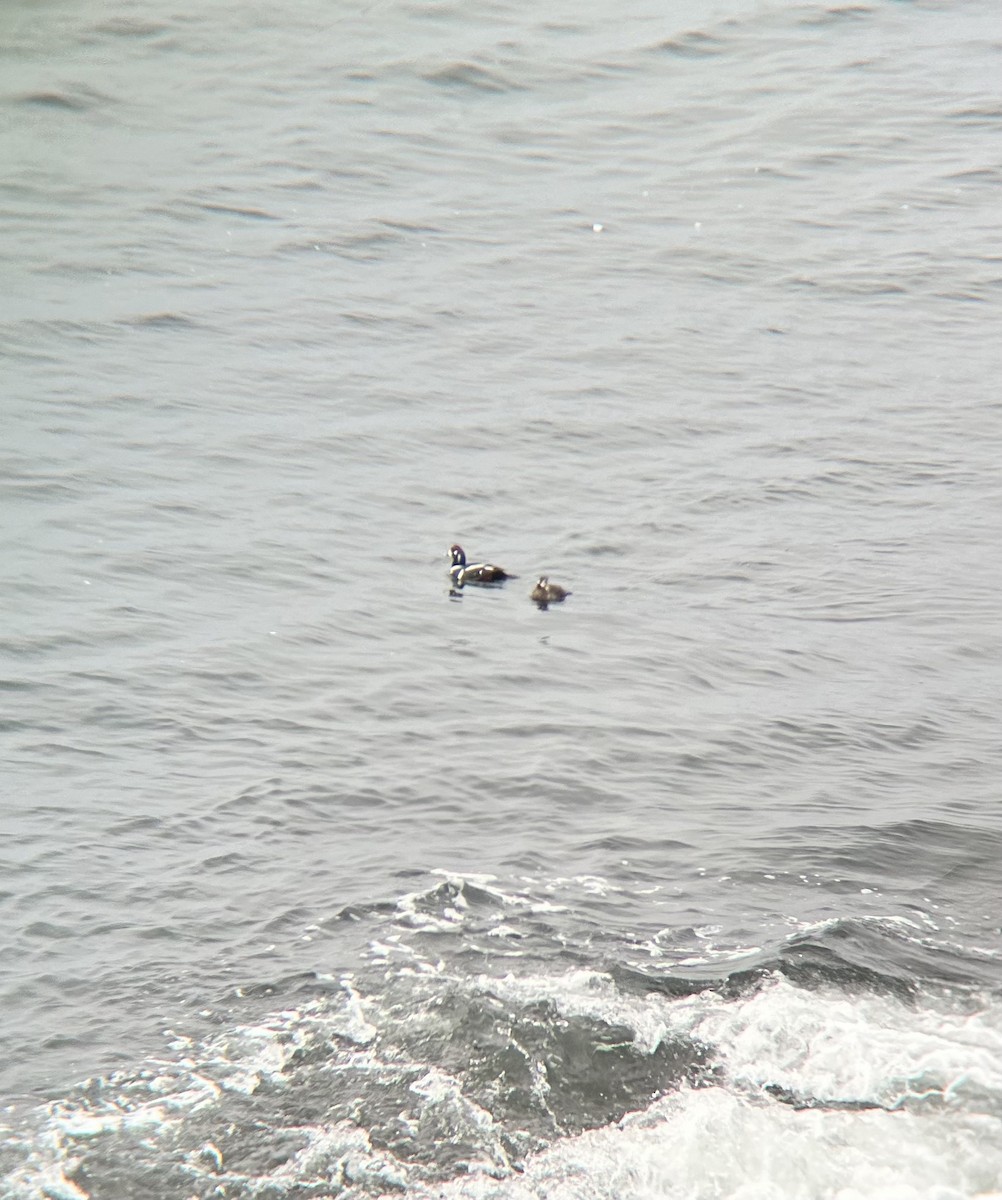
<point x="849" y="1048"/>
<point x="885" y="1099"/>
<point x="827" y="1045"/>
<point x="714" y="1143"/>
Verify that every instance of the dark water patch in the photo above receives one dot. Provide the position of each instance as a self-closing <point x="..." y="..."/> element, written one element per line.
<point x="930" y="846"/>
<point x="162" y="320"/>
<point x="13" y="725"/>
<point x="77" y="331"/>
<point x="988" y="116"/>
<point x="141" y="28"/>
<point x="18" y="685"/>
<point x="692" y="45"/>
<point x="860" y="735"/>
<point x="472" y="77"/>
<point x="990" y="177"/>
<point x="849" y="955"/>
<point x="835" y="15"/>
<point x="802" y="1103"/>
<point x="543" y="1070"/>
<point x="359" y="912"/>
<point x="225" y="863"/>
<point x="234" y="210"/>
<point x="878" y="956"/>
<point x="983" y="295"/>
<point x="841" y="956"/>
<point x="364" y="246"/>
<point x="410" y="227"/>
<point x="676" y="984"/>
<point x="48" y="930"/>
<point x="67" y="101"/>
<point x="62" y="749"/>
<point x="387" y="320"/>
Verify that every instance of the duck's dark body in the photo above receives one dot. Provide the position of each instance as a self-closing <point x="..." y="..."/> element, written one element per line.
<point x="462" y="572"/>
<point x="545" y="593"/>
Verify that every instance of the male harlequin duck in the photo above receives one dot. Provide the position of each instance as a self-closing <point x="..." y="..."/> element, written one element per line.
<point x="461" y="572"/>
<point x="545" y="593"/>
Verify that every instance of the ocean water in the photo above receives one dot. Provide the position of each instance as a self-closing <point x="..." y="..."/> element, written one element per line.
<point x="321" y="878"/>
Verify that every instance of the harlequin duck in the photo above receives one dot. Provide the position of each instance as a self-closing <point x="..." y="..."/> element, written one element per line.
<point x="462" y="573"/>
<point x="545" y="593"/>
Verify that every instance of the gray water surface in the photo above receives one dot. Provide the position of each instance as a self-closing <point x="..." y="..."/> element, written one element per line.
<point x="695" y="308"/>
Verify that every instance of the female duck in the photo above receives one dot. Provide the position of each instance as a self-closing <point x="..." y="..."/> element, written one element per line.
<point x="462" y="572"/>
<point x="545" y="593"/>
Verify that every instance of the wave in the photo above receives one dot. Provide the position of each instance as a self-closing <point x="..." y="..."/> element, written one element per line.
<point x="551" y="1074"/>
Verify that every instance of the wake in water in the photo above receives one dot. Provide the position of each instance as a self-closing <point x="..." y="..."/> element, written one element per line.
<point x="798" y="1071"/>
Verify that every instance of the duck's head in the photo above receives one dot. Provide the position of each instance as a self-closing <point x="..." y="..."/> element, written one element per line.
<point x="458" y="555"/>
